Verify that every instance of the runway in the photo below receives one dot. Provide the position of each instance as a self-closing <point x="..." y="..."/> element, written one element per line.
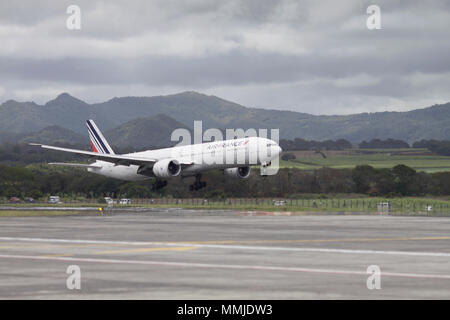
<point x="191" y="254"/>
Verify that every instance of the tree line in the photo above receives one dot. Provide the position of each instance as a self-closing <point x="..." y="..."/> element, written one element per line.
<point x="441" y="147"/>
<point x="301" y="144"/>
<point x="435" y="146"/>
<point x="383" y="144"/>
<point x="40" y="181"/>
<point x="340" y="144"/>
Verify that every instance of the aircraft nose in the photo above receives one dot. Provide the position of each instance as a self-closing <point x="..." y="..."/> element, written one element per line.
<point x="278" y="150"/>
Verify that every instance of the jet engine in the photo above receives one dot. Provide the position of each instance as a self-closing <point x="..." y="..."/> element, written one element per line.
<point x="166" y="168"/>
<point x="239" y="172"/>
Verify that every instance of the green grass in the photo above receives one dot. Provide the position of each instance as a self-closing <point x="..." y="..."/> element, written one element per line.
<point x="36" y="213"/>
<point x="384" y="159"/>
<point x="62" y="205"/>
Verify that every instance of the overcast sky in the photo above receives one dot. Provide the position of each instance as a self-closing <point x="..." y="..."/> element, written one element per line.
<point x="315" y="56"/>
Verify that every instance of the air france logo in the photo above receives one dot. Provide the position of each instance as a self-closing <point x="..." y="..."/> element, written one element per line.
<point x="228" y="144"/>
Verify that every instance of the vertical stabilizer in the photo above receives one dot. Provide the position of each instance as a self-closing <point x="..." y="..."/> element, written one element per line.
<point x="98" y="141"/>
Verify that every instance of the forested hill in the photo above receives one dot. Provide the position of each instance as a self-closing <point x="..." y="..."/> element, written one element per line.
<point x="66" y="111"/>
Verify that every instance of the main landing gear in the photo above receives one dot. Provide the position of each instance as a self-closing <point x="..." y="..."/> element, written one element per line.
<point x="159" y="184"/>
<point x="197" y="185"/>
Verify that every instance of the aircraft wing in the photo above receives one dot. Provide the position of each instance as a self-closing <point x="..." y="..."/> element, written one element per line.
<point x="124" y="160"/>
<point x="79" y="165"/>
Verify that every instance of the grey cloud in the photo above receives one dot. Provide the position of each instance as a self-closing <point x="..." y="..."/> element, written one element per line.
<point x="30" y="12"/>
<point x="415" y="39"/>
<point x="232" y="68"/>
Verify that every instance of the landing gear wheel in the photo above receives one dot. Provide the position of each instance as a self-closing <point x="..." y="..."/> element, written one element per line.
<point x="197" y="185"/>
<point x="159" y="184"/>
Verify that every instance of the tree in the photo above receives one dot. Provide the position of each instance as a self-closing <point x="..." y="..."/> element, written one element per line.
<point x="438" y="147"/>
<point x="363" y="176"/>
<point x="404" y="179"/>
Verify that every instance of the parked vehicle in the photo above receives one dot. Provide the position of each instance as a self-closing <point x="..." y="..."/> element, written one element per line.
<point x="279" y="203"/>
<point x="109" y="200"/>
<point x="125" y="201"/>
<point x="384" y="207"/>
<point x="54" y="199"/>
<point x="14" y="200"/>
<point x="29" y="200"/>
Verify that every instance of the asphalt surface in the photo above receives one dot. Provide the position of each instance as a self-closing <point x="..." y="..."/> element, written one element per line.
<point x="189" y="254"/>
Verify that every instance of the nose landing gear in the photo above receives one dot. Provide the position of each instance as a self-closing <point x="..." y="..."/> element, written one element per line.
<point x="264" y="166"/>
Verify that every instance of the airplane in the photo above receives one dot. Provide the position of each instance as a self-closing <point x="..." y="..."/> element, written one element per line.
<point x="184" y="161"/>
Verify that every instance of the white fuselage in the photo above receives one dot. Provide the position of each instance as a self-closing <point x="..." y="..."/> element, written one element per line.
<point x="202" y="157"/>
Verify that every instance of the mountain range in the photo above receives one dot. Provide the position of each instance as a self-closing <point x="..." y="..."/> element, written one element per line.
<point x="140" y="122"/>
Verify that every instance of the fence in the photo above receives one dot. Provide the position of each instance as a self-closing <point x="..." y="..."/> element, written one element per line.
<point x="364" y="205"/>
<point x="406" y="205"/>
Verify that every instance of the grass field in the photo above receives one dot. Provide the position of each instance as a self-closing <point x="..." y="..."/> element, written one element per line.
<point x="36" y="213"/>
<point x="419" y="159"/>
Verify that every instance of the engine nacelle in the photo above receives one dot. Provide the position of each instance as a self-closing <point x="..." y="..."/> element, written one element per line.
<point x="166" y="168"/>
<point x="239" y="172"/>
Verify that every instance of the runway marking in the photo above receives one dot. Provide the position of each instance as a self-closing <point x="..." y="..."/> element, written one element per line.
<point x="59" y="255"/>
<point x="317" y="240"/>
<point x="239" y="247"/>
<point x="326" y="250"/>
<point x="146" y="250"/>
<point x="108" y="242"/>
<point x="50" y="246"/>
<point x="224" y="266"/>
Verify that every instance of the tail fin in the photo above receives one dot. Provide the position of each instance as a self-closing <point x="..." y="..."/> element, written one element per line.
<point x="98" y="141"/>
